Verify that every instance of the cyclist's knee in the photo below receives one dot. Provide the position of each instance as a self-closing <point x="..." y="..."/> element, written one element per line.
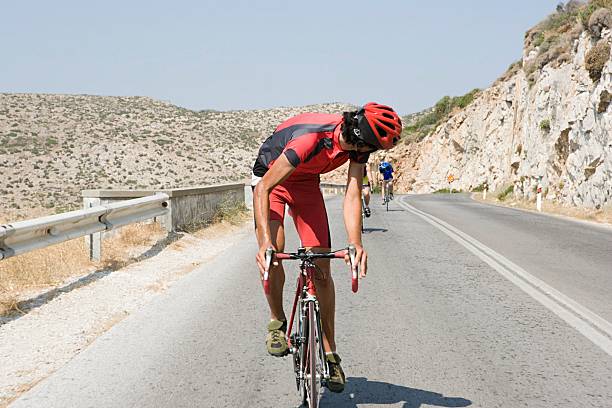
<point x="323" y="274"/>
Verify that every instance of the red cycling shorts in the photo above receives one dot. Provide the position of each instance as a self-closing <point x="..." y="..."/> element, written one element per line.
<point x="306" y="207"/>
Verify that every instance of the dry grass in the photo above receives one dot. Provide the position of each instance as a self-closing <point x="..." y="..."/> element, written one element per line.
<point x="25" y="275"/>
<point x="603" y="215"/>
<point x="39" y="269"/>
<point x="129" y="242"/>
<point x="231" y="212"/>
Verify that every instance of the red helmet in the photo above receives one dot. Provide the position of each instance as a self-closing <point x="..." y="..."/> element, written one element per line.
<point x="379" y="125"/>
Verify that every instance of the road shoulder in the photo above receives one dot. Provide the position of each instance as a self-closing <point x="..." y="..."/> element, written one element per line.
<point x="39" y="343"/>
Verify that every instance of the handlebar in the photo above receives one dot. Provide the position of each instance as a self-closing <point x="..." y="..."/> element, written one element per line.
<point x="302" y="255"/>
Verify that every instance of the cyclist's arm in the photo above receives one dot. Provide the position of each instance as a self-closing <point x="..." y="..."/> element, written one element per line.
<point x="352" y="211"/>
<point x="280" y="170"/>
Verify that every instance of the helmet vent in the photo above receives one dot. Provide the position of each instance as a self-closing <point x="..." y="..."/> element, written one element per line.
<point x="382" y="132"/>
<point x="388" y="115"/>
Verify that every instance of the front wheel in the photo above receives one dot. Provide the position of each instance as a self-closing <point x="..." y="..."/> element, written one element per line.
<point x="311" y="378"/>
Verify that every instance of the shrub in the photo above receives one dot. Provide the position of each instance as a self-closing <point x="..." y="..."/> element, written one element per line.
<point x="545" y="125"/>
<point x="505" y="193"/>
<point x="596" y="58"/>
<point x="600" y="19"/>
<point x="538" y="39"/>
<point x="584" y="14"/>
<point x="440" y="112"/>
<point x="548" y="43"/>
<point x="479" y="188"/>
<point x="604" y="101"/>
<point x="447" y="191"/>
<point x="559" y="20"/>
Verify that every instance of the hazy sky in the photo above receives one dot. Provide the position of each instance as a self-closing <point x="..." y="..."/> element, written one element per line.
<point x="235" y="54"/>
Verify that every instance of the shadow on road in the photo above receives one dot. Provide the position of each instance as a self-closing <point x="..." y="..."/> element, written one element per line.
<point x="361" y="391"/>
<point x="370" y="230"/>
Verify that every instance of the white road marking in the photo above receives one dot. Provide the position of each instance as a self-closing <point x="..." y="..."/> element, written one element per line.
<point x="593" y="327"/>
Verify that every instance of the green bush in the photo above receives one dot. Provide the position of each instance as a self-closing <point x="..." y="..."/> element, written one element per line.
<point x="441" y="111"/>
<point x="545" y="125"/>
<point x="447" y="191"/>
<point x="479" y="188"/>
<point x="505" y="193"/>
<point x="538" y="39"/>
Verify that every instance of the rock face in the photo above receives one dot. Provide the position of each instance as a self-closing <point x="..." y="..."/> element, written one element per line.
<point x="514" y="133"/>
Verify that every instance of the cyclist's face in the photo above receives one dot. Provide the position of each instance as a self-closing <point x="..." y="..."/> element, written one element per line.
<point x="359" y="146"/>
<point x="363" y="147"/>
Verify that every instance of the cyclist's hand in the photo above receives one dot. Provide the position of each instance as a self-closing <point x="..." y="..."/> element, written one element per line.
<point x="261" y="257"/>
<point x="361" y="260"/>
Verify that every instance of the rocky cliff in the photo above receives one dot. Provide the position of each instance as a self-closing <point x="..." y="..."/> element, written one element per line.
<point x="548" y="121"/>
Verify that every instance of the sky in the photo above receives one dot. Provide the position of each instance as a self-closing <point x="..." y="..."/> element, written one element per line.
<point x="238" y="54"/>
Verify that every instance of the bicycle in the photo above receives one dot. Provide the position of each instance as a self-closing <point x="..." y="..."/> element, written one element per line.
<point x="388" y="196"/>
<point x="306" y="341"/>
<point x="363" y="213"/>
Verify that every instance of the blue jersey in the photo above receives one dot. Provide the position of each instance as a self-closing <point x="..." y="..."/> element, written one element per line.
<point x="386" y="170"/>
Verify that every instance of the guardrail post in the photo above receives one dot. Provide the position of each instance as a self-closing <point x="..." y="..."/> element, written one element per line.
<point x="166" y="219"/>
<point x="248" y="196"/>
<point x="93" y="241"/>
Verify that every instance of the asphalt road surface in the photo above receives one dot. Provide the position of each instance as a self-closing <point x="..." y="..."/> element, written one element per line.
<point x="465" y="304"/>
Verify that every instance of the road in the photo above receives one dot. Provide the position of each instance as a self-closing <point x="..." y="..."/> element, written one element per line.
<point x="442" y="320"/>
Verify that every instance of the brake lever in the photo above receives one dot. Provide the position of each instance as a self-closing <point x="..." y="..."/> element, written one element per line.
<point x="266" y="282"/>
<point x="352" y="251"/>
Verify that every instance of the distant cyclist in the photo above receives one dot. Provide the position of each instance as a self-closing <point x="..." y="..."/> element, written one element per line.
<point x="386" y="169"/>
<point x="286" y="172"/>
<point x="365" y="190"/>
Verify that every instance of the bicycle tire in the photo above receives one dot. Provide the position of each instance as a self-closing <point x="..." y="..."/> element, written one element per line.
<point x="303" y="359"/>
<point x="311" y="381"/>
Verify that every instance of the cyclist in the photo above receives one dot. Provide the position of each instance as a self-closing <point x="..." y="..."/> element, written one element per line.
<point x="365" y="190"/>
<point x="386" y="169"/>
<point x="286" y="172"/>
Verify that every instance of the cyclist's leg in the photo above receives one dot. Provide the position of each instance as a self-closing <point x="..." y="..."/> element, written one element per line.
<point x="277" y="273"/>
<point x="366" y="194"/>
<point x="326" y="293"/>
<point x="310" y="217"/>
<point x="276" y="343"/>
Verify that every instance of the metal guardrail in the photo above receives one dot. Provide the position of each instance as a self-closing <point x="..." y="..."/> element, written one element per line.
<point x="24" y="236"/>
<point x="331" y="188"/>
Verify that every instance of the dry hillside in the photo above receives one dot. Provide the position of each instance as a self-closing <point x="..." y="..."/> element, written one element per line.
<point x="54" y="146"/>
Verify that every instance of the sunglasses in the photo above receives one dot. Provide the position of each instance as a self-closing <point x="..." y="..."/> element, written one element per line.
<point x="360" y="144"/>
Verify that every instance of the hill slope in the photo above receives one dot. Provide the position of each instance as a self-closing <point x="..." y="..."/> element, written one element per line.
<point x="54" y="146"/>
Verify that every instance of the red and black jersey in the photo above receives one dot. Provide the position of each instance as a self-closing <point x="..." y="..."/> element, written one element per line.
<point x="311" y="143"/>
